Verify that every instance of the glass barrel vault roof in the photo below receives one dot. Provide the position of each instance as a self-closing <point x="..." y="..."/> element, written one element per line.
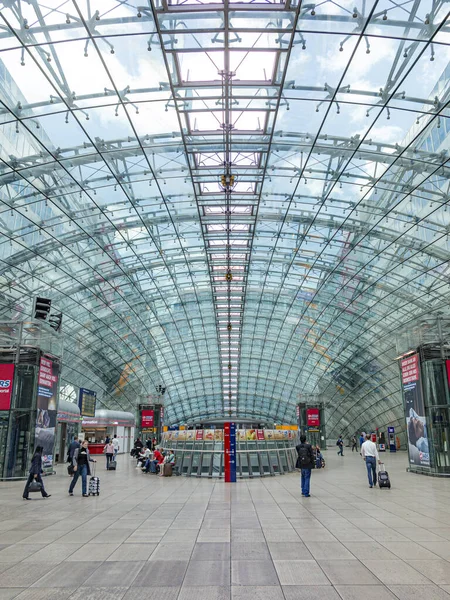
<point x="242" y="202"/>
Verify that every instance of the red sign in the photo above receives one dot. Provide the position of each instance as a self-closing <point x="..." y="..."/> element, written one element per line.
<point x="260" y="434"/>
<point x="199" y="434"/>
<point x="6" y="384"/>
<point x="312" y="417"/>
<point x="46" y="376"/>
<point x="147" y="418"/>
<point x="410" y="369"/>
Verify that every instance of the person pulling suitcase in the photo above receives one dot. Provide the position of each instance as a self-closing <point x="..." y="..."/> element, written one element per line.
<point x="369" y="453"/>
<point x="81" y="460"/>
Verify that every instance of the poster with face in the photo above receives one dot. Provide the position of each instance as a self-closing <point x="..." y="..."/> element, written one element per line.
<point x="416" y="422"/>
<point x="47" y="401"/>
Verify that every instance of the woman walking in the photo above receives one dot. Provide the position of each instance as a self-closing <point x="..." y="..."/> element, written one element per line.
<point x="109" y="451"/>
<point x="35" y="473"/>
<point x="81" y="460"/>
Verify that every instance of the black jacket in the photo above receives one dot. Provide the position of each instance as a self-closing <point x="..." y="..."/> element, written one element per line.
<point x="72" y="447"/>
<point x="312" y="462"/>
<point x="36" y="464"/>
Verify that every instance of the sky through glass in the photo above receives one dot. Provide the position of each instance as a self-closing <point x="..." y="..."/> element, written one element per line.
<point x="243" y="202"/>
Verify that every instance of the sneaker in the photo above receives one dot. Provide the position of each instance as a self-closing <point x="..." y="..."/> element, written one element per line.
<point x="371" y="486"/>
<point x="70" y="493"/>
<point x="85" y="495"/>
<point x="47" y="496"/>
<point x="307" y="495"/>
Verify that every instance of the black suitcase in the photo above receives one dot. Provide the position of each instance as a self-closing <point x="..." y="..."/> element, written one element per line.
<point x="383" y="478"/>
<point x="112" y="465"/>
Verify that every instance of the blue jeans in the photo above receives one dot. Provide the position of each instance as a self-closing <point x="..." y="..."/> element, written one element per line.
<point x="305" y="481"/>
<point x="83" y="470"/>
<point x="341" y="450"/>
<point x="371" y="466"/>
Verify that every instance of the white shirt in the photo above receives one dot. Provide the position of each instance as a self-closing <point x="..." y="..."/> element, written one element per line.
<point x="115" y="443"/>
<point x="369" y="449"/>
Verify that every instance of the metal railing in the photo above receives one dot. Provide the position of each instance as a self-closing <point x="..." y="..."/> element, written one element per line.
<point x="253" y="459"/>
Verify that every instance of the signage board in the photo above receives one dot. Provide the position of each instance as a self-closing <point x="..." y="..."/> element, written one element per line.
<point x="147" y="419"/>
<point x="416" y="422"/>
<point x="87" y="400"/>
<point x="313" y="417"/>
<point x="6" y="385"/>
<point x="47" y="399"/>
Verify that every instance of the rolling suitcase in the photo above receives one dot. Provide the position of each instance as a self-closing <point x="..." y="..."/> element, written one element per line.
<point x="112" y="465"/>
<point x="94" y="484"/>
<point x="383" y="478"/>
<point x="167" y="470"/>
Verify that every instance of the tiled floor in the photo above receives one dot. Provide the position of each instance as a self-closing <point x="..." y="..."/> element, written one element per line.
<point x="149" y="538"/>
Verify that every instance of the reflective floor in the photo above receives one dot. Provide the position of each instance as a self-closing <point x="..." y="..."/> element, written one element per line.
<point x="151" y="538"/>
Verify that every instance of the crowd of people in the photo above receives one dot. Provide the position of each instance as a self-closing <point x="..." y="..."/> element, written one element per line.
<point x="152" y="458"/>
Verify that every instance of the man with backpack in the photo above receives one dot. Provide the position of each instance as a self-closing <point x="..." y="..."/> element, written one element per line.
<point x="305" y="462"/>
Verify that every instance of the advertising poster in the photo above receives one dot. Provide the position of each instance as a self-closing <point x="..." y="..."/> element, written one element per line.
<point x="218" y="435"/>
<point x="199" y="435"/>
<point x="416" y="423"/>
<point x="6" y="385"/>
<point x="147" y="419"/>
<point x="47" y="399"/>
<point x="190" y="435"/>
<point x="269" y="434"/>
<point x="240" y="434"/>
<point x="208" y="435"/>
<point x="87" y="400"/>
<point x="260" y="435"/>
<point x="312" y="417"/>
<point x="251" y="434"/>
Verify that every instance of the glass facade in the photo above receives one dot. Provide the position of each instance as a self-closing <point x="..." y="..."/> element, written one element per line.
<point x="243" y="201"/>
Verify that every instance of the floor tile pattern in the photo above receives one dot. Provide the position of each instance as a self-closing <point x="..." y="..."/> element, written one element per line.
<point x="152" y="538"/>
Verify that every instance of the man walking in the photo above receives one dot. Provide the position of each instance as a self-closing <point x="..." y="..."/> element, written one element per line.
<point x="70" y="451"/>
<point x="340" y="444"/>
<point x="362" y="439"/>
<point x="369" y="453"/>
<point x="354" y="446"/>
<point x="115" y="443"/>
<point x="305" y="462"/>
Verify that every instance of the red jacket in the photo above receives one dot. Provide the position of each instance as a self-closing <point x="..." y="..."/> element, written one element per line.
<point x="159" y="457"/>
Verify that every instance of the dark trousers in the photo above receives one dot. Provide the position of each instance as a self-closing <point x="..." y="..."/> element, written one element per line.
<point x="27" y="485"/>
<point x="305" y="481"/>
<point x="108" y="459"/>
<point x="341" y="450"/>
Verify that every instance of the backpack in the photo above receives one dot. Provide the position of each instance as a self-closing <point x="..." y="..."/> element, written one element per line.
<point x="304" y="460"/>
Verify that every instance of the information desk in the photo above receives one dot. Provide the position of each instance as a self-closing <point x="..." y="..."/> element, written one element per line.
<point x="96" y="448"/>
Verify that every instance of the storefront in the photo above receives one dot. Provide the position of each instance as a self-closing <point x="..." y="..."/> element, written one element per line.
<point x="108" y="423"/>
<point x="68" y="421"/>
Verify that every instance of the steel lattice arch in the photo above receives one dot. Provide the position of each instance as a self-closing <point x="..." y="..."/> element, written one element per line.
<point x="242" y="201"/>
